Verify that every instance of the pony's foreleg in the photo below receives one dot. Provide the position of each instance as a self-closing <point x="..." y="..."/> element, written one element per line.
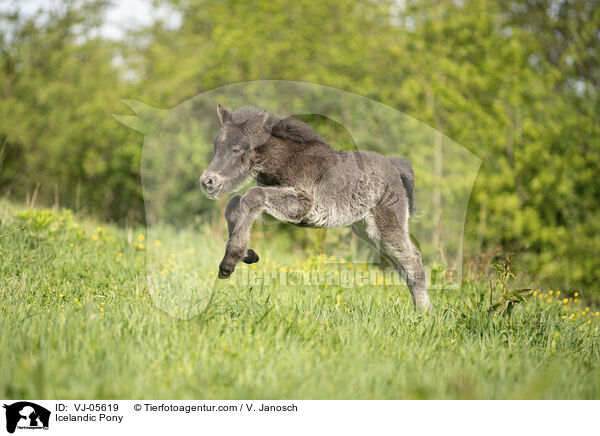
<point x="286" y="204"/>
<point x="232" y="214"/>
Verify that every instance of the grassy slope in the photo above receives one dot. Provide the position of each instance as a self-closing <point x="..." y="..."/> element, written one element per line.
<point x="77" y="322"/>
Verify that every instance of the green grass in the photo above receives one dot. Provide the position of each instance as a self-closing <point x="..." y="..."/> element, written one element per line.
<point x="78" y="321"/>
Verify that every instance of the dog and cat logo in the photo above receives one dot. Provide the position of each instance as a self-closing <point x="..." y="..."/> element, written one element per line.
<point x="26" y="415"/>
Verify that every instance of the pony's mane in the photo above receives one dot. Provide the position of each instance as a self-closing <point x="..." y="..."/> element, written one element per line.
<point x="288" y="128"/>
<point x="295" y="130"/>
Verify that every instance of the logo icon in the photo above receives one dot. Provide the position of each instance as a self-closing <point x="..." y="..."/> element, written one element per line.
<point x="26" y="415"/>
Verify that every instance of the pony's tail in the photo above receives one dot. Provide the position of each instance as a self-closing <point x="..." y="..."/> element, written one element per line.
<point x="408" y="181"/>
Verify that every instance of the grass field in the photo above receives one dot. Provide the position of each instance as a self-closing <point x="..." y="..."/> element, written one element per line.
<point x="78" y="321"/>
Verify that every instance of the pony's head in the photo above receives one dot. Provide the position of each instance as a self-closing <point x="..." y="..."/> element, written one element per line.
<point x="230" y="166"/>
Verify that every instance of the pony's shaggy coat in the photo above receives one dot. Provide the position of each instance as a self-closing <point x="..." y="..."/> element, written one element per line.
<point x="302" y="180"/>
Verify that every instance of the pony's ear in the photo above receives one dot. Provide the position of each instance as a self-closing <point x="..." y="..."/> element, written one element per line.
<point x="257" y="121"/>
<point x="224" y="114"/>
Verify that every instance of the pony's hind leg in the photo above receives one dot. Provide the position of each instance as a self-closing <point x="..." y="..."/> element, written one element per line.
<point x="391" y="223"/>
<point x="359" y="228"/>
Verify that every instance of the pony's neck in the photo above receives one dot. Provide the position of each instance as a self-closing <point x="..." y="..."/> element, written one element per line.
<point x="270" y="156"/>
<point x="282" y="161"/>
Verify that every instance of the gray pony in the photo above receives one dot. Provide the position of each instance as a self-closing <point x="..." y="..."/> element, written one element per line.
<point x="302" y="180"/>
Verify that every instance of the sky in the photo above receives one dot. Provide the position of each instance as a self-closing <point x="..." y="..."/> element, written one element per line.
<point x="122" y="15"/>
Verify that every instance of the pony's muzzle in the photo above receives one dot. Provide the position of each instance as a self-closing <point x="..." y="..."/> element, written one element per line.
<point x="210" y="182"/>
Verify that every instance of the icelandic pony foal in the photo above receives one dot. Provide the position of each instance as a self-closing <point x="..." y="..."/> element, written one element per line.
<point x="302" y="180"/>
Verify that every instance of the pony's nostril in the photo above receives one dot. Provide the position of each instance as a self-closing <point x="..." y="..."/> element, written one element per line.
<point x="208" y="183"/>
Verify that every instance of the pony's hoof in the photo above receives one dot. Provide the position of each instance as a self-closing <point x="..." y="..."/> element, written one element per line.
<point x="251" y="256"/>
<point x="225" y="271"/>
<point x="224" y="274"/>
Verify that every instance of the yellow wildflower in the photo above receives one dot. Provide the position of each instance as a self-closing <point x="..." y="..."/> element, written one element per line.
<point x="141" y="237"/>
<point x="576" y="294"/>
<point x="95" y="237"/>
<point x="565" y="300"/>
<point x="71" y="244"/>
<point x="99" y="229"/>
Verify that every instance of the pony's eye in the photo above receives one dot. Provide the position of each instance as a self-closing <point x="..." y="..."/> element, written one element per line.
<point x="236" y="151"/>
